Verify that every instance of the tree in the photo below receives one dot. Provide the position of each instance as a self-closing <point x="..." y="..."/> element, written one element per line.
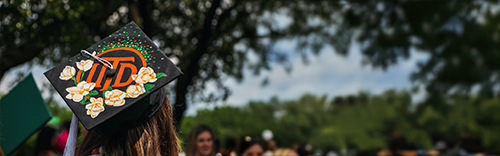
<point x="458" y="36"/>
<point x="210" y="38"/>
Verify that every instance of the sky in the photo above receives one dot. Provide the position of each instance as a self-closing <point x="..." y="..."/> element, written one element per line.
<point x="326" y="74"/>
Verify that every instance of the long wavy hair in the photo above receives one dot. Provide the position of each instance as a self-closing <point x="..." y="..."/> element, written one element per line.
<point x="156" y="137"/>
<point x="191" y="144"/>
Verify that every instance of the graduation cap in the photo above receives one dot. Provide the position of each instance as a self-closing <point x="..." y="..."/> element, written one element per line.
<point x="115" y="84"/>
<point x="22" y="112"/>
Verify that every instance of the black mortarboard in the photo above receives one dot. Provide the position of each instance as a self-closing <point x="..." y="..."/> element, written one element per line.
<point x="116" y="83"/>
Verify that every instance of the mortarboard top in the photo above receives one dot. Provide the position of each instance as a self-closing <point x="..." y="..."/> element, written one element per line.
<point x="108" y="100"/>
<point x="22" y="112"/>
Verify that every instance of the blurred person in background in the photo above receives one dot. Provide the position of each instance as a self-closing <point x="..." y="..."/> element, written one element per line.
<point x="45" y="142"/>
<point x="302" y="151"/>
<point x="218" y="149"/>
<point x="201" y="142"/>
<point x="229" y="148"/>
<point x="384" y="152"/>
<point x="250" y="147"/>
<point x="270" y="146"/>
<point x="295" y="146"/>
<point x="400" y="146"/>
<point x="232" y="147"/>
<point x="469" y="143"/>
<point x="408" y="153"/>
<point x="432" y="153"/>
<point x="285" y="152"/>
<point x="62" y="137"/>
<point x="331" y="152"/>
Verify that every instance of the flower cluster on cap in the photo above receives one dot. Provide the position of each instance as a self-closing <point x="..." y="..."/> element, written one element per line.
<point x="83" y="91"/>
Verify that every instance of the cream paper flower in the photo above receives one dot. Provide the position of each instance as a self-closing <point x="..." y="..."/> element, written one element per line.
<point x="67" y="73"/>
<point x="84" y="65"/>
<point x="133" y="91"/>
<point x="95" y="107"/>
<point x="79" y="91"/>
<point x="115" y="97"/>
<point x="145" y="75"/>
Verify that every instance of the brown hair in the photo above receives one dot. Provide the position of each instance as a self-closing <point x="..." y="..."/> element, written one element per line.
<point x="191" y="144"/>
<point x="156" y="137"/>
<point x="245" y="145"/>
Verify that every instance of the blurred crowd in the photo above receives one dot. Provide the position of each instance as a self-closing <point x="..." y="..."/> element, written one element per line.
<point x="201" y="142"/>
<point x="51" y="141"/>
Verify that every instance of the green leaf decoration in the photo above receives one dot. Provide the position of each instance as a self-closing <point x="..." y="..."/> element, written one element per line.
<point x="148" y="87"/>
<point x="83" y="101"/>
<point x="109" y="88"/>
<point x="104" y="93"/>
<point x="158" y="75"/>
<point x="103" y="103"/>
<point x="74" y="80"/>
<point x="81" y="77"/>
<point x="93" y="93"/>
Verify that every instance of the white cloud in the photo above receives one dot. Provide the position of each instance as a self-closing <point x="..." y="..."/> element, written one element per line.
<point x="9" y="79"/>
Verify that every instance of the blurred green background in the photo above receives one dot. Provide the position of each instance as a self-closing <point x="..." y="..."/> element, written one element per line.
<point x="212" y="41"/>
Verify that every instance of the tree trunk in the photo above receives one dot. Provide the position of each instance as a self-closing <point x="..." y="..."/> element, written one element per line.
<point x="191" y="65"/>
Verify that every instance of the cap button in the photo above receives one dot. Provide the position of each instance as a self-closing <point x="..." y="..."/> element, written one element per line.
<point x="110" y="73"/>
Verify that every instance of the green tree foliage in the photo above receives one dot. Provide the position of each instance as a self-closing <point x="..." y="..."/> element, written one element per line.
<point x="213" y="38"/>
<point x="459" y="36"/>
<point x="365" y="122"/>
<point x="475" y="116"/>
<point x="210" y="38"/>
<point x="61" y="112"/>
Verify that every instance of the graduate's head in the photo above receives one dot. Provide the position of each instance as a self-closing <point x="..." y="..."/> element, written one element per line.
<point x="115" y="89"/>
<point x="156" y="136"/>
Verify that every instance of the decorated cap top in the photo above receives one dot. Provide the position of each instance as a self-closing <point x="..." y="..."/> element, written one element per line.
<point x="113" y="80"/>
